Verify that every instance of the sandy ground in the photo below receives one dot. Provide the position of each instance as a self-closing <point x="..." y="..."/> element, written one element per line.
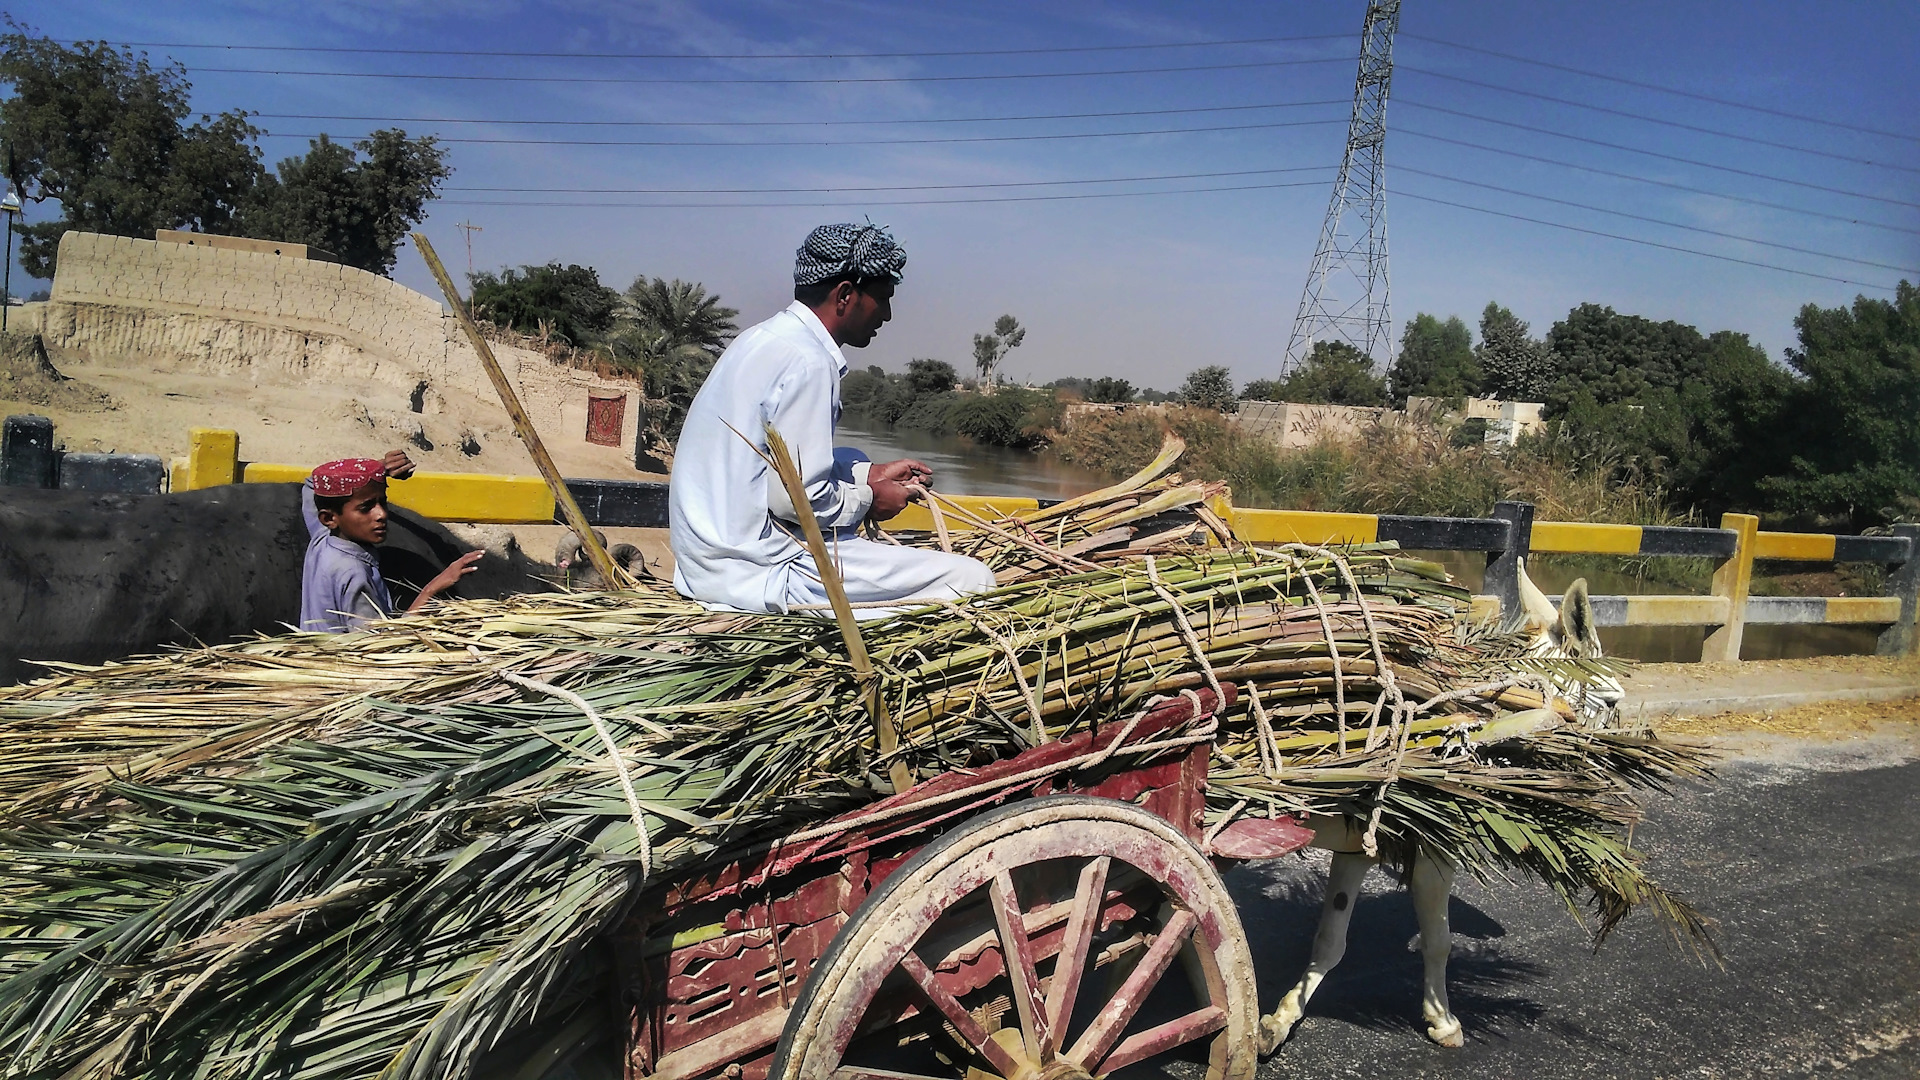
<point x="151" y="412"/>
<point x="1822" y="721"/>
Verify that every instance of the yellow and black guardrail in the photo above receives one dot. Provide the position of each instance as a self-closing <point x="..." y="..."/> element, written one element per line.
<point x="1507" y="537"/>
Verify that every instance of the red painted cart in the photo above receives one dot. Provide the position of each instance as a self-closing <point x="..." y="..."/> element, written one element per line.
<point x="1022" y="921"/>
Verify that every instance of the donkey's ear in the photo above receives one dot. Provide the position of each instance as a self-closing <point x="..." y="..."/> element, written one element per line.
<point x="1578" y="633"/>
<point x="1536" y="611"/>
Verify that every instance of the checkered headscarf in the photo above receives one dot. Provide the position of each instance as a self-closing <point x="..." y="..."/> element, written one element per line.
<point x="864" y="251"/>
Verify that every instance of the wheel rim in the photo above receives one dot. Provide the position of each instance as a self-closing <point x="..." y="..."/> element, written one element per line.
<point x="1059" y="939"/>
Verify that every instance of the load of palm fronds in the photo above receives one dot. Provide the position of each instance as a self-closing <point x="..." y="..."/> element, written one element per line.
<point x="385" y="854"/>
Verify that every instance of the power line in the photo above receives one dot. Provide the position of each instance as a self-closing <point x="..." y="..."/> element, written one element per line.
<point x="897" y="187"/>
<point x="727" y="56"/>
<point x="1632" y="239"/>
<point x="880" y="202"/>
<point x="799" y="123"/>
<point x="1658" y="154"/>
<point x="1667" y="89"/>
<point x="1654" y="220"/>
<point x="848" y="142"/>
<point x="771" y="81"/>
<point x="1596" y="170"/>
<point x="1658" y="120"/>
<point x="1136" y="194"/>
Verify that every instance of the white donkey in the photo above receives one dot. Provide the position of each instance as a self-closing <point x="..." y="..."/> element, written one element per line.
<point x="1569" y="632"/>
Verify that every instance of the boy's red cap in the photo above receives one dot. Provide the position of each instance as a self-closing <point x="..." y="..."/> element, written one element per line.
<point x="339" y="479"/>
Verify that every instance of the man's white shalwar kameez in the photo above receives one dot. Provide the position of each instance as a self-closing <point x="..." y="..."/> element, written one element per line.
<point x="729" y="550"/>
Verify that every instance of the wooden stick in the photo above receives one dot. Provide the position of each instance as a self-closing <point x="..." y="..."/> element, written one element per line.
<point x="615" y="576"/>
<point x="790" y="478"/>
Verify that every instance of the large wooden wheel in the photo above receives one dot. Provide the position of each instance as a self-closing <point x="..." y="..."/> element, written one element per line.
<point x="1035" y="943"/>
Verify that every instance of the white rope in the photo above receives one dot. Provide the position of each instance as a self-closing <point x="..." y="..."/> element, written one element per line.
<point x="972" y="791"/>
<point x="1271" y="759"/>
<point x="613" y="752"/>
<point x="1186" y="634"/>
<point x="1326" y="629"/>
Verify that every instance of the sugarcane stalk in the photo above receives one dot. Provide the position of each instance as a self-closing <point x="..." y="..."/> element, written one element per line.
<point x="883" y="730"/>
<point x="614" y="575"/>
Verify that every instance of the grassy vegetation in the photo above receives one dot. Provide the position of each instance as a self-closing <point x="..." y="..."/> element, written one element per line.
<point x="1412" y="470"/>
<point x="1389" y="470"/>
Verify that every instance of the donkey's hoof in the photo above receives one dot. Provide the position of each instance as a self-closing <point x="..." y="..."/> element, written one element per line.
<point x="1447" y="1033"/>
<point x="1274" y="1031"/>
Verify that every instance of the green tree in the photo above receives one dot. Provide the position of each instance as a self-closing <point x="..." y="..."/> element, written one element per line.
<point x="1210" y="387"/>
<point x="356" y="202"/>
<point x="682" y="310"/>
<point x="931" y="376"/>
<point x="101" y="131"/>
<point x="990" y="349"/>
<point x="1108" y="390"/>
<point x="1436" y="360"/>
<point x="1334" y="373"/>
<point x="1264" y="390"/>
<point x="669" y="332"/>
<point x="1514" y="366"/>
<point x="567" y="302"/>
<point x="1618" y="357"/>
<point x="1850" y="437"/>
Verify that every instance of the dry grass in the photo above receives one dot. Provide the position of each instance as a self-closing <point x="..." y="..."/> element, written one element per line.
<point x="1388" y="470"/>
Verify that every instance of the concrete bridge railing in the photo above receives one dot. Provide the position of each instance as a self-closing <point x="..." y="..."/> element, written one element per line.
<point x="1505" y="538"/>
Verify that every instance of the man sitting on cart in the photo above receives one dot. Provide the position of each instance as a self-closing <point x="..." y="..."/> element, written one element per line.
<point x="735" y="542"/>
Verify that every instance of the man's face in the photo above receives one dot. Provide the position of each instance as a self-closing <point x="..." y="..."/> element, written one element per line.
<point x="868" y="309"/>
<point x="363" y="519"/>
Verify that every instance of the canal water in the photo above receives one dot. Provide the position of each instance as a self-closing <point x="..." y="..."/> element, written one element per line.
<point x="964" y="467"/>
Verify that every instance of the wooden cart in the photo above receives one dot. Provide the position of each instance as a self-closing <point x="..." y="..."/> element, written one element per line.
<point x="877" y="946"/>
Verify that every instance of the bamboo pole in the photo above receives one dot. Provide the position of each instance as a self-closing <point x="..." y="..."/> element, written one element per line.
<point x="790" y="478"/>
<point x="614" y="576"/>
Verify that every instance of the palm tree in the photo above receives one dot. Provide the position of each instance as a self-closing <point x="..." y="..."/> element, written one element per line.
<point x="670" y="333"/>
<point x="682" y="310"/>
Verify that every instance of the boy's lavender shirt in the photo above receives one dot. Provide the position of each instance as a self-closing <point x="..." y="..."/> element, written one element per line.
<point x="340" y="585"/>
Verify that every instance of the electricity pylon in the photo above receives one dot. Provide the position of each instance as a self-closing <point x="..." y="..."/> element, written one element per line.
<point x="1346" y="294"/>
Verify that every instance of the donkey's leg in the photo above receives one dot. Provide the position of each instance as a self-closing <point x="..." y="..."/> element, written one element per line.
<point x="1329" y="945"/>
<point x="1432" y="886"/>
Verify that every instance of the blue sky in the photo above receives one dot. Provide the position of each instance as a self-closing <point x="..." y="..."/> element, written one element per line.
<point x="1145" y="287"/>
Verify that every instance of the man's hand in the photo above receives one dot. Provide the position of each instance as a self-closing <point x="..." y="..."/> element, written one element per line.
<point x="904" y="471"/>
<point x="397" y="465"/>
<point x="447" y="579"/>
<point x="889" y="497"/>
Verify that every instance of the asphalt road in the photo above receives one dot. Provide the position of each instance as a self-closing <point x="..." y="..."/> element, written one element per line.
<point x="1807" y="858"/>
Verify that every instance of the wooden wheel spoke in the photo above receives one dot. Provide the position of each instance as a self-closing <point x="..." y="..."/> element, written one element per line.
<point x="1091" y="1049"/>
<point x="1160" y="1039"/>
<point x="1070" y="967"/>
<point x="1018" y="950"/>
<point x="956" y="1014"/>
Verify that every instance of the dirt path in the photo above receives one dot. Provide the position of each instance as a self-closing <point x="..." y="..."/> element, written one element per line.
<point x="1767" y="686"/>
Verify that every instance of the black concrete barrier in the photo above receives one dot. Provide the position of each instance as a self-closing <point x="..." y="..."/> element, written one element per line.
<point x="27" y="456"/>
<point x="129" y="474"/>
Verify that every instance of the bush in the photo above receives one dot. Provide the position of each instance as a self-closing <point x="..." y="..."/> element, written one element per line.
<point x="1014" y="417"/>
<point x="1389" y="470"/>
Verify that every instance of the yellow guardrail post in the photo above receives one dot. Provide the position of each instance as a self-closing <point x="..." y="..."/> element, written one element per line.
<point x="1899" y="639"/>
<point x="213" y="458"/>
<point x="1732" y="580"/>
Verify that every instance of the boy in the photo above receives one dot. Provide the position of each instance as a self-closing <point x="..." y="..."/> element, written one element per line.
<point x="345" y="506"/>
